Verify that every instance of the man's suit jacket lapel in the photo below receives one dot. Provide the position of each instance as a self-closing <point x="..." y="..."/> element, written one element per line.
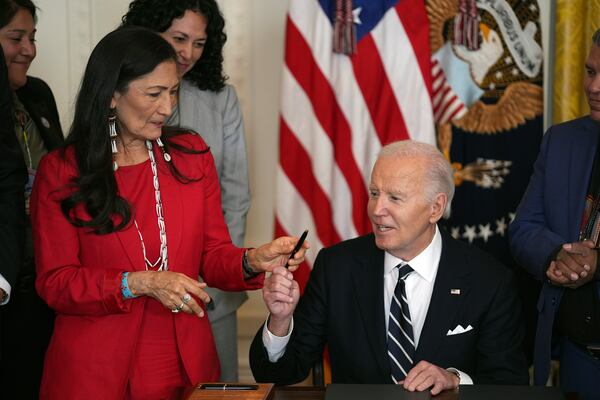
<point x="444" y="305"/>
<point x="367" y="277"/>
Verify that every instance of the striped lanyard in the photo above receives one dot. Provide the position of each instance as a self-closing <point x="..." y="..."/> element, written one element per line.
<point x="22" y="120"/>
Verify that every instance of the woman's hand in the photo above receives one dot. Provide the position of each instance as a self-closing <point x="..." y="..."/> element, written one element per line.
<point x="276" y="254"/>
<point x="174" y="290"/>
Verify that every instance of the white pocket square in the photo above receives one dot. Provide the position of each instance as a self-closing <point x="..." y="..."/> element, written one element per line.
<point x="458" y="330"/>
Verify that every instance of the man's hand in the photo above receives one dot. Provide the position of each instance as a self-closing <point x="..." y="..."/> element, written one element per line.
<point x="425" y="375"/>
<point x="281" y="294"/>
<point x="575" y="265"/>
<point x="3" y="295"/>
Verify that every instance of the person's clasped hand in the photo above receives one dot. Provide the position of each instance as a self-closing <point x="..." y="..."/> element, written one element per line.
<point x="574" y="265"/>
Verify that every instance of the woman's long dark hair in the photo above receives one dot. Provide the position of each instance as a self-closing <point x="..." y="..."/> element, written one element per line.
<point x="119" y="58"/>
<point x="158" y="15"/>
<point x="8" y="9"/>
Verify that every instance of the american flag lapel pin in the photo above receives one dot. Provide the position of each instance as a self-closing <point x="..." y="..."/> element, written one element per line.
<point x="454" y="291"/>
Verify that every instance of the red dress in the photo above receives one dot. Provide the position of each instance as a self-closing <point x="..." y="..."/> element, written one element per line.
<point x="99" y="339"/>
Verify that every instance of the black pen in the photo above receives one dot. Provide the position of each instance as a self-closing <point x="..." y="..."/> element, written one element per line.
<point x="298" y="246"/>
<point x="227" y="386"/>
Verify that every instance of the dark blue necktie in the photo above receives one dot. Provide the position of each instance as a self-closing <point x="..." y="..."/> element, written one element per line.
<point x="400" y="339"/>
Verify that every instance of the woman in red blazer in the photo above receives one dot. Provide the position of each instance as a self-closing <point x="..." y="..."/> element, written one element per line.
<point x="126" y="217"/>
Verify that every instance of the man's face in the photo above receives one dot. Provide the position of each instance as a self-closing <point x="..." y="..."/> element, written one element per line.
<point x="591" y="82"/>
<point x="403" y="220"/>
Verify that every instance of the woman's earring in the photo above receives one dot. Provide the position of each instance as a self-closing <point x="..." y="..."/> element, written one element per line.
<point x="112" y="131"/>
<point x="166" y="155"/>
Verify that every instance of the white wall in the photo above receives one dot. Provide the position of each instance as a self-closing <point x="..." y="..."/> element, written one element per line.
<point x="67" y="32"/>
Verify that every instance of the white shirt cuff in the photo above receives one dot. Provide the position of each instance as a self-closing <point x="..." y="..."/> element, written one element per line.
<point x="6" y="287"/>
<point x="464" y="378"/>
<point x="275" y="345"/>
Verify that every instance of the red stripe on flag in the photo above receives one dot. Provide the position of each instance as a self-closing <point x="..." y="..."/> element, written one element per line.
<point x="414" y="19"/>
<point x="436" y="88"/>
<point x="438" y="101"/>
<point x="302" y="65"/>
<point x="294" y="161"/>
<point x="445" y="106"/>
<point x="378" y="93"/>
<point x="454" y="113"/>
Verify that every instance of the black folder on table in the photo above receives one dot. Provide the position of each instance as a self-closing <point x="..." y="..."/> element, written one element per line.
<point x="379" y="392"/>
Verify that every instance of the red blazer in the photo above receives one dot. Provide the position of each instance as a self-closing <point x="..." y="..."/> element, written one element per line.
<point x="78" y="275"/>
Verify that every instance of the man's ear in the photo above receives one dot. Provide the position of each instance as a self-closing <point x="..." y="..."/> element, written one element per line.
<point x="438" y="206"/>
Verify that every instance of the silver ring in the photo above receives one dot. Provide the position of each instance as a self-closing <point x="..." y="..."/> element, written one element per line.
<point x="186" y="298"/>
<point x="178" y="308"/>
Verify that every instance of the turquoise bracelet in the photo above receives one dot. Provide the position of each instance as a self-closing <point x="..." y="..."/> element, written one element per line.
<point x="125" y="291"/>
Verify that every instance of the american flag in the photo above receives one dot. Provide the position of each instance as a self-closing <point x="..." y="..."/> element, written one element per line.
<point x="446" y="104"/>
<point x="338" y="110"/>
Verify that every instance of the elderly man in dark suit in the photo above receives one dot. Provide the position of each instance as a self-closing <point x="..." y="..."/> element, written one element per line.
<point x="406" y="304"/>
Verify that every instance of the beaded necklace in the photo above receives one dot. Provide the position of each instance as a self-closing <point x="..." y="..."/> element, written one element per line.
<point x="163" y="260"/>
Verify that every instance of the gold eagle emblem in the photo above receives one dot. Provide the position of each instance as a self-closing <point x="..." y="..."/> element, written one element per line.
<point x="508" y="95"/>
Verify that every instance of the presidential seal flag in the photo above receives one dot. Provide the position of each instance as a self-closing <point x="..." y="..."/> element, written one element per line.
<point x="488" y="105"/>
<point x="357" y="76"/>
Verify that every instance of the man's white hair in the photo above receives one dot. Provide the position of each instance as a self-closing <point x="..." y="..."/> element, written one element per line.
<point x="438" y="174"/>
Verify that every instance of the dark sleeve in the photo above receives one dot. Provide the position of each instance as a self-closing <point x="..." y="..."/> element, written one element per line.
<point x="532" y="242"/>
<point x="307" y="340"/>
<point x="12" y="184"/>
<point x="38" y="99"/>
